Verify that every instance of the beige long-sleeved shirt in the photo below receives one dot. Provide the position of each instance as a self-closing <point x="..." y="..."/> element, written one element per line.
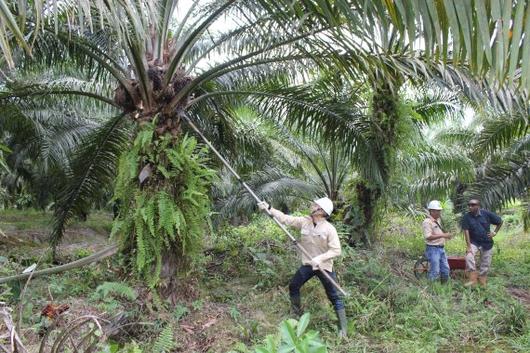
<point x="320" y="240"/>
<point x="430" y="227"/>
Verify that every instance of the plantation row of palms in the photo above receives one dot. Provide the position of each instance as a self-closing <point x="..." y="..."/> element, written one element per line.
<point x="364" y="101"/>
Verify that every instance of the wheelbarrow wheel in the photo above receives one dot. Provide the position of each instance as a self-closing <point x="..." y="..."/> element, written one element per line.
<point x="421" y="267"/>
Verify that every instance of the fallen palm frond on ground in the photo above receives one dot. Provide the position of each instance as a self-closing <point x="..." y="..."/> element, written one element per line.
<point x="8" y="334"/>
<point x="111" y="250"/>
<point x="82" y="334"/>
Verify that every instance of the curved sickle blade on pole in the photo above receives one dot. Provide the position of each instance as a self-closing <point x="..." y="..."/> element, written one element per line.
<point x="251" y="192"/>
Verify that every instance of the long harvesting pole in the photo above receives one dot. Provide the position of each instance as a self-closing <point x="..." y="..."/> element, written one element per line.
<point x="251" y="192"/>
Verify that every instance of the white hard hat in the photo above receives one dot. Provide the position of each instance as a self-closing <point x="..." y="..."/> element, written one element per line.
<point x="435" y="205"/>
<point x="326" y="204"/>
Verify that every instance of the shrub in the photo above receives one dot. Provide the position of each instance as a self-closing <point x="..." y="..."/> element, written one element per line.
<point x="293" y="337"/>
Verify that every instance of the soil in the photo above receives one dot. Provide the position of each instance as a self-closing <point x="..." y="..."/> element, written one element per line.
<point x="204" y="330"/>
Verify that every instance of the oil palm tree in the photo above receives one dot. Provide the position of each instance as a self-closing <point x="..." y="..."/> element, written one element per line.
<point x="146" y="83"/>
<point x="387" y="57"/>
<point x="41" y="135"/>
<point x="497" y="143"/>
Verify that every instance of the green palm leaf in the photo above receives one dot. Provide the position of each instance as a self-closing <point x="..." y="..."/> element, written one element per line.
<point x="94" y="166"/>
<point x="503" y="181"/>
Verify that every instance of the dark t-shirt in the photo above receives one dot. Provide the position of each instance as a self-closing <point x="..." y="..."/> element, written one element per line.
<point x="479" y="227"/>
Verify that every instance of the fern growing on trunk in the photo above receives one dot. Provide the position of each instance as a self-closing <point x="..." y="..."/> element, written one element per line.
<point x="162" y="185"/>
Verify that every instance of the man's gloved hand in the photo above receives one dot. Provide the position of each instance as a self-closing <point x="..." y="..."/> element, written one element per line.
<point x="315" y="263"/>
<point x="263" y="205"/>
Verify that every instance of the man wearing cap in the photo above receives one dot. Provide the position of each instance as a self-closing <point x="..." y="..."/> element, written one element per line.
<point x="435" y="239"/>
<point x="320" y="239"/>
<point x="476" y="225"/>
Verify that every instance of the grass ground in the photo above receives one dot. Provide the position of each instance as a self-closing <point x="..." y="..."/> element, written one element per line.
<point x="238" y="292"/>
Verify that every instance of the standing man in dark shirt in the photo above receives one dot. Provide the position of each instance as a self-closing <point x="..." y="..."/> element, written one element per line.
<point x="476" y="225"/>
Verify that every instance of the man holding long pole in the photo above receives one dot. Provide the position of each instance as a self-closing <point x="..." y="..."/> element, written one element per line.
<point x="321" y="242"/>
<point x="317" y="261"/>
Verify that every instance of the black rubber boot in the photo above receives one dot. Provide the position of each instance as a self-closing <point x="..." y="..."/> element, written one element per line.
<point x="444" y="280"/>
<point x="343" y="323"/>
<point x="296" y="305"/>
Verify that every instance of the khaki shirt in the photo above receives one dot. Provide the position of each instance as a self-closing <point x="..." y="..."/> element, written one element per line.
<point x="320" y="240"/>
<point x="430" y="227"/>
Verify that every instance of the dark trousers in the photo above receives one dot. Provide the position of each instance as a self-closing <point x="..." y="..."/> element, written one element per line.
<point x="304" y="274"/>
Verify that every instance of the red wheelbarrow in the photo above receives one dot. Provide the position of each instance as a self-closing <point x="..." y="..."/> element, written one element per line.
<point x="456" y="263"/>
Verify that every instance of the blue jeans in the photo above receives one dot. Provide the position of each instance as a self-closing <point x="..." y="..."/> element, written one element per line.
<point x="304" y="274"/>
<point x="438" y="265"/>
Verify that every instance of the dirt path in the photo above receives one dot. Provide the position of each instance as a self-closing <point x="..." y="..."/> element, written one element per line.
<point x="523" y="295"/>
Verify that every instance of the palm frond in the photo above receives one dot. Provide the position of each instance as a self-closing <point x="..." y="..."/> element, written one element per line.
<point x="520" y="146"/>
<point x="93" y="166"/>
<point x="491" y="36"/>
<point x="433" y="104"/>
<point x="269" y="184"/>
<point x="303" y="110"/>
<point x="63" y="86"/>
<point x="461" y="137"/>
<point x="233" y="42"/>
<point x="9" y="27"/>
<point x="193" y="36"/>
<point x="46" y="136"/>
<point x="431" y="161"/>
<point x="236" y="131"/>
<point x="501" y="131"/>
<point x="80" y="56"/>
<point x="84" y="52"/>
<point x="503" y="181"/>
<point x="439" y="185"/>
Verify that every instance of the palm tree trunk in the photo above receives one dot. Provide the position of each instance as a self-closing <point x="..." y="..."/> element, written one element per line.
<point x="367" y="201"/>
<point x="383" y="140"/>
